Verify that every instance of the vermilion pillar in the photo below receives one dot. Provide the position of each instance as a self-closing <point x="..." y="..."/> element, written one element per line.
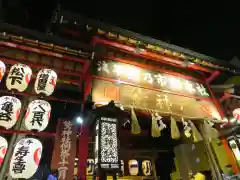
<point x="83" y="152"/>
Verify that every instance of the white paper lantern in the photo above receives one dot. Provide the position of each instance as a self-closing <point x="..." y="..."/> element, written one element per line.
<point x="90" y="167"/>
<point x="26" y="158"/>
<point x="37" y="115"/>
<point x="2" y="70"/>
<point x="133" y="167"/>
<point x="147" y="167"/>
<point x="45" y="82"/>
<point x="10" y="108"/>
<point x="236" y="114"/>
<point x="122" y="167"/>
<point x="3" y="149"/>
<point x="18" y="77"/>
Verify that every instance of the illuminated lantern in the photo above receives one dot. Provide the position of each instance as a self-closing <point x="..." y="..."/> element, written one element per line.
<point x="106" y="139"/>
<point x="26" y="158"/>
<point x="3" y="149"/>
<point x="133" y="167"/>
<point x="236" y="114"/>
<point x="147" y="167"/>
<point x="2" y="70"/>
<point x="10" y="108"/>
<point x="18" y="77"/>
<point x="122" y="167"/>
<point x="37" y="115"/>
<point x="45" y="82"/>
<point x="90" y="167"/>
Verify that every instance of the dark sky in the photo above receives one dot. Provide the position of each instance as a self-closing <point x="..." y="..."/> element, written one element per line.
<point x="212" y="29"/>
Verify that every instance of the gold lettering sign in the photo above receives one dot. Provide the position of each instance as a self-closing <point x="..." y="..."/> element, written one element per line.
<point x="142" y="77"/>
<point x="149" y="99"/>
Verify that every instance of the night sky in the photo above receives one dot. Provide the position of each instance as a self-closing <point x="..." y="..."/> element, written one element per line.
<point x="212" y="29"/>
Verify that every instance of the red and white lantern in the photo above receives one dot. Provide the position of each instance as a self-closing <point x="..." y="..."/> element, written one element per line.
<point x="3" y="149"/>
<point x="45" y="82"/>
<point x="236" y="114"/>
<point x="18" y="77"/>
<point x="37" y="115"/>
<point x="2" y="70"/>
<point x="10" y="108"/>
<point x="26" y="158"/>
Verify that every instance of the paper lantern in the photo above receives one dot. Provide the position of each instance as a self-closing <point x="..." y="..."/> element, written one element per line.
<point x="90" y="167"/>
<point x="37" y="115"/>
<point x="147" y="168"/>
<point x="2" y="70"/>
<point x="236" y="114"/>
<point x="133" y="167"/>
<point x="18" y="77"/>
<point x="122" y="167"/>
<point x="3" y="149"/>
<point x="45" y="82"/>
<point x="10" y="108"/>
<point x="26" y="158"/>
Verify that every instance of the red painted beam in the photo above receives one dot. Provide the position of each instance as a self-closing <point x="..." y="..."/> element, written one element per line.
<point x="37" y="65"/>
<point x="150" y="88"/>
<point x="154" y="68"/>
<point x="47" y="98"/>
<point x="11" y="131"/>
<point x="149" y="55"/>
<point x="213" y="76"/>
<point x="41" y="51"/>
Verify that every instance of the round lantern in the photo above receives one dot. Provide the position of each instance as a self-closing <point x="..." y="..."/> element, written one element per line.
<point x="2" y="70"/>
<point x="147" y="167"/>
<point x="18" y="77"/>
<point x="26" y="158"/>
<point x="90" y="167"/>
<point x="10" y="108"/>
<point x="37" y="115"/>
<point x="3" y="149"/>
<point x="133" y="167"/>
<point x="45" y="82"/>
<point x="236" y="114"/>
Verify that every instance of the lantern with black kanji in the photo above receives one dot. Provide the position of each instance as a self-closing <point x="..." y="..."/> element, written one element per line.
<point x="45" y="82"/>
<point x="147" y="167"/>
<point x="26" y="158"/>
<point x="106" y="139"/>
<point x="2" y="70"/>
<point x="18" y="77"/>
<point x="10" y="108"/>
<point x="37" y="115"/>
<point x="3" y="149"/>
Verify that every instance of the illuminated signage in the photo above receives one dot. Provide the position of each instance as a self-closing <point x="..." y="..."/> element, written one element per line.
<point x="142" y="77"/>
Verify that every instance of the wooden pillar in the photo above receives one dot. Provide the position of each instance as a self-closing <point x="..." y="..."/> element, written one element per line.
<point x="83" y="152"/>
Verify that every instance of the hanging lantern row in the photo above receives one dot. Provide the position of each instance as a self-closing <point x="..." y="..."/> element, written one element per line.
<point x="19" y="77"/>
<point x="25" y="158"/>
<point x="36" y="118"/>
<point x="133" y="167"/>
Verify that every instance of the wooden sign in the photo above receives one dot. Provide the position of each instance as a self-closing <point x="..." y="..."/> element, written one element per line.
<point x="155" y="100"/>
<point x="153" y="79"/>
<point x="64" y="150"/>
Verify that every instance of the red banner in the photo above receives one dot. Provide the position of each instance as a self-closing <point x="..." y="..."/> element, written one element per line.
<point x="64" y="150"/>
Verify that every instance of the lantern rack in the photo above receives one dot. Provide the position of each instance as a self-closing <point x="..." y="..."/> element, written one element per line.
<point x="13" y="131"/>
<point x="48" y="97"/>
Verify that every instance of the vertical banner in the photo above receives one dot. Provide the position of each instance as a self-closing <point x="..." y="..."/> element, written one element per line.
<point x="64" y="150"/>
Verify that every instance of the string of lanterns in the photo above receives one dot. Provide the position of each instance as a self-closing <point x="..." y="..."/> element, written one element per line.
<point x="133" y="167"/>
<point x="28" y="151"/>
